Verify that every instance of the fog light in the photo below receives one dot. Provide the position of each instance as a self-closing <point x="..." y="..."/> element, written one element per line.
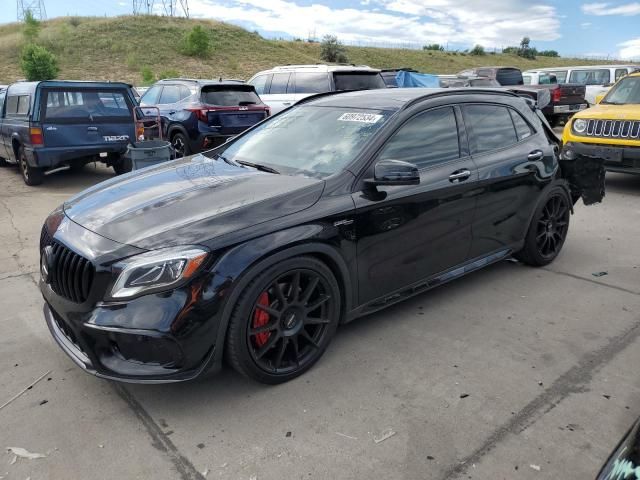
<point x="568" y="153"/>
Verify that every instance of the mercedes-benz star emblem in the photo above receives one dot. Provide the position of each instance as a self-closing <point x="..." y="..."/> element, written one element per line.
<point x="45" y="262"/>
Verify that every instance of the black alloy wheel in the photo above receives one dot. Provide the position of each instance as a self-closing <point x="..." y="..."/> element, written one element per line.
<point x="180" y="145"/>
<point x="284" y="321"/>
<point x="548" y="230"/>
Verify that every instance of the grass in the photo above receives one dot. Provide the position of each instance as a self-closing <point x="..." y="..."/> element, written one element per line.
<point x="118" y="48"/>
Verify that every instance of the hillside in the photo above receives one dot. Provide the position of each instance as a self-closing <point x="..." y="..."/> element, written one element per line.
<point x="117" y="48"/>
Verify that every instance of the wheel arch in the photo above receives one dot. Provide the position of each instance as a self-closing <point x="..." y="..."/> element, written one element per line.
<point x="257" y="262"/>
<point x="16" y="145"/>
<point x="176" y="127"/>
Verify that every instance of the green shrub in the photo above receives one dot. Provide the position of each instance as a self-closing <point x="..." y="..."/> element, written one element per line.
<point x="74" y="21"/>
<point x="332" y="50"/>
<point x="196" y="42"/>
<point x="477" y="50"/>
<point x="147" y="76"/>
<point x="31" y="27"/>
<point x="168" y="74"/>
<point x="434" y="46"/>
<point x="38" y="63"/>
<point x="549" y="53"/>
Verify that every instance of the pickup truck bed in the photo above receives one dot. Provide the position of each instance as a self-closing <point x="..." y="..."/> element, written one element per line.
<point x="566" y="99"/>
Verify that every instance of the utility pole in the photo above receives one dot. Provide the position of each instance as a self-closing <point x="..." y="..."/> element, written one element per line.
<point x="36" y="7"/>
<point x="174" y="8"/>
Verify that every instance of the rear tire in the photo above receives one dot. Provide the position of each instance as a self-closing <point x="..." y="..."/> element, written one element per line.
<point x="284" y="320"/>
<point x="31" y="175"/>
<point x="122" y="165"/>
<point x="180" y="144"/>
<point x="548" y="229"/>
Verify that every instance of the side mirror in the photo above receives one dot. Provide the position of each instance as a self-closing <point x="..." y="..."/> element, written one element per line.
<point x="394" y="172"/>
<point x="599" y="97"/>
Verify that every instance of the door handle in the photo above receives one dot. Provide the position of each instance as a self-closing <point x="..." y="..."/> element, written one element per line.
<point x="535" y="155"/>
<point x="459" y="176"/>
<point x="92" y="129"/>
<point x="172" y="112"/>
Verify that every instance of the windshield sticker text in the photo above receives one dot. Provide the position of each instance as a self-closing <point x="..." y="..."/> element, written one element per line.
<point x="360" y="117"/>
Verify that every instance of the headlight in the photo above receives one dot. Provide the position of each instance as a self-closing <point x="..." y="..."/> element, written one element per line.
<point x="579" y="125"/>
<point x="156" y="270"/>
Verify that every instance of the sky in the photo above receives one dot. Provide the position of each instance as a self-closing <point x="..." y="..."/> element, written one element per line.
<point x="572" y="27"/>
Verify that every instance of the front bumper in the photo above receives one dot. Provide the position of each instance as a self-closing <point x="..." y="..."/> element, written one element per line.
<point x="616" y="158"/>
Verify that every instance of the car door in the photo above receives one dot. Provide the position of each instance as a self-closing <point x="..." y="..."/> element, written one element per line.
<point x="280" y="94"/>
<point x="408" y="233"/>
<point x="514" y="163"/>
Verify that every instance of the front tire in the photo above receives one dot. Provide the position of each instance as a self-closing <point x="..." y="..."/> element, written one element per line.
<point x="31" y="175"/>
<point x="180" y="144"/>
<point x="548" y="229"/>
<point x="284" y="320"/>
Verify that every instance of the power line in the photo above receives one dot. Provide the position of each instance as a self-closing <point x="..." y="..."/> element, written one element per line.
<point x="36" y="7"/>
<point x="170" y="8"/>
<point x="143" y="7"/>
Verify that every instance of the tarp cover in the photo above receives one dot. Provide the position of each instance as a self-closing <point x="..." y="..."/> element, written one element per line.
<point x="412" y="80"/>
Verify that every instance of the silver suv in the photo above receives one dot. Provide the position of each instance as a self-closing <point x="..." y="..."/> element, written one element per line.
<point x="283" y="86"/>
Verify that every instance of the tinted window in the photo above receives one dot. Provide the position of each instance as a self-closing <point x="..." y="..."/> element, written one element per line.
<point x="312" y="82"/>
<point x="315" y="141"/>
<point x="509" y="76"/>
<point x="184" y="92"/>
<point x="357" y="81"/>
<point x="260" y="83"/>
<point x="150" y="97"/>
<point x="170" y="94"/>
<point x="523" y="129"/>
<point x="590" y="77"/>
<point x="561" y="76"/>
<point x="279" y="83"/>
<point x="620" y="72"/>
<point x="426" y="139"/>
<point x="229" y="97"/>
<point x="490" y="127"/>
<point x="82" y="105"/>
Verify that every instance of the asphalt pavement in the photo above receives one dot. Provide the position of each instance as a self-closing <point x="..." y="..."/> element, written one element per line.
<point x="510" y="373"/>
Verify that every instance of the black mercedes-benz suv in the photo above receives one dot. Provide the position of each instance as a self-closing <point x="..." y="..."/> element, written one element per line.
<point x="336" y="207"/>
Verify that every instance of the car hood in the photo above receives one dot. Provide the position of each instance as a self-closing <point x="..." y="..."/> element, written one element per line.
<point x="610" y="112"/>
<point x="188" y="201"/>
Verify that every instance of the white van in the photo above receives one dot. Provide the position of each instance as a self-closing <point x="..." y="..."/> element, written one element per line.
<point x="597" y="78"/>
<point x="283" y="86"/>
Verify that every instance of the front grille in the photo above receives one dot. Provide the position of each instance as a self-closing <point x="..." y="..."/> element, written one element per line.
<point x="613" y="129"/>
<point x="70" y="274"/>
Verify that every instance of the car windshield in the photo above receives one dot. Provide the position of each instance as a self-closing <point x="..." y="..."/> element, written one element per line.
<point x="358" y="80"/>
<point x="229" y="96"/>
<point x="626" y="91"/>
<point x="310" y="140"/>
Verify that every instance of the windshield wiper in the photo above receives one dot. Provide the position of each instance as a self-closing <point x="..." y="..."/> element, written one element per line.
<point x="258" y="166"/>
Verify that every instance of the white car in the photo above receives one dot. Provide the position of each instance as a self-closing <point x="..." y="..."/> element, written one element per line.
<point x="283" y="86"/>
<point x="597" y="78"/>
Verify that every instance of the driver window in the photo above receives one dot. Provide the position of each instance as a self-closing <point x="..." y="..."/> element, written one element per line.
<point x="427" y="139"/>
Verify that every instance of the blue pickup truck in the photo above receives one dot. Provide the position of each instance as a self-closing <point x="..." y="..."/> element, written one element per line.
<point x="65" y="124"/>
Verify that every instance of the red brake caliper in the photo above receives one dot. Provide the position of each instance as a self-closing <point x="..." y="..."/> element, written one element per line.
<point x="261" y="318"/>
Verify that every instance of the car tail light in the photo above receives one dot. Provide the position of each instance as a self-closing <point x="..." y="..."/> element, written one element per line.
<point x="201" y="112"/>
<point x="37" y="138"/>
<point x="556" y="95"/>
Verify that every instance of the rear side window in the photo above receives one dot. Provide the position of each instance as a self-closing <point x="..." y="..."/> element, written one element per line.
<point x="357" y="81"/>
<point x="85" y="105"/>
<point x="279" y="83"/>
<point x="509" y="76"/>
<point x="306" y="82"/>
<point x="2" y="97"/>
<point x="547" y="79"/>
<point x="170" y="94"/>
<point x="259" y="83"/>
<point x="523" y="129"/>
<point x="620" y="72"/>
<point x="561" y="76"/>
<point x="591" y="77"/>
<point x="491" y="127"/>
<point x="18" y="105"/>
<point x="150" y="97"/>
<point x="229" y="97"/>
<point x="527" y="79"/>
<point x="184" y="92"/>
<point x="427" y="139"/>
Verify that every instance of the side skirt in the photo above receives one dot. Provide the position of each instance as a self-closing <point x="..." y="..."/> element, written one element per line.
<point x="429" y="283"/>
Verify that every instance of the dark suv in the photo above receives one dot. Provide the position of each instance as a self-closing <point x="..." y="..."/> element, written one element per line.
<point x="202" y="114"/>
<point x="61" y="124"/>
<point x="337" y="207"/>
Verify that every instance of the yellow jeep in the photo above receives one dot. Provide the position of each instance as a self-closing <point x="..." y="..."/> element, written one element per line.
<point x="610" y="130"/>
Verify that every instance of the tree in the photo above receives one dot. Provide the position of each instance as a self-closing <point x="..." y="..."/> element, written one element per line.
<point x="477" y="50"/>
<point x="434" y="46"/>
<point x="525" y="51"/>
<point x="31" y="27"/>
<point x="332" y="50"/>
<point x="549" y="53"/>
<point x="196" y="42"/>
<point x="38" y="63"/>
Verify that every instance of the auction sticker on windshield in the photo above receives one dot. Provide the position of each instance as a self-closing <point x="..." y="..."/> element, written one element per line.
<point x="360" y="117"/>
